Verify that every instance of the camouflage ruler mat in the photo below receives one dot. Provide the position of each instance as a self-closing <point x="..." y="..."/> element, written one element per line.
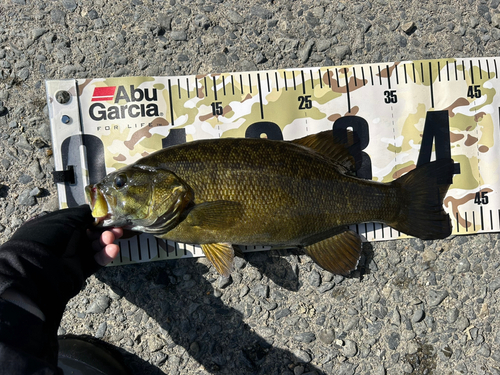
<point x="403" y="114"/>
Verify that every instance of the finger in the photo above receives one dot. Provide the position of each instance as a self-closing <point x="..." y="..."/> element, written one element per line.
<point x="118" y="232"/>
<point x="106" y="255"/>
<point x="107" y="237"/>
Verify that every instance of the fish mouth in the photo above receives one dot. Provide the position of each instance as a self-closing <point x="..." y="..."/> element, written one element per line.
<point x="98" y="204"/>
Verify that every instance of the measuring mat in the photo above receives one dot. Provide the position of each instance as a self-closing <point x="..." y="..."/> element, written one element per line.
<point x="401" y="114"/>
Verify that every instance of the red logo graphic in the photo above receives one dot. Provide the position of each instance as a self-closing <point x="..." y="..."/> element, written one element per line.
<point x="102" y="94"/>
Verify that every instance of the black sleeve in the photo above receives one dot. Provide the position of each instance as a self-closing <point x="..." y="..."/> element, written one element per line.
<point x="26" y="345"/>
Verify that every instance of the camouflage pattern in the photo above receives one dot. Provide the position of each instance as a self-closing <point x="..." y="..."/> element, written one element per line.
<point x="393" y="98"/>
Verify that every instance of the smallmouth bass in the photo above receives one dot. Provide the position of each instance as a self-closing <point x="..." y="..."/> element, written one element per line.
<point x="237" y="191"/>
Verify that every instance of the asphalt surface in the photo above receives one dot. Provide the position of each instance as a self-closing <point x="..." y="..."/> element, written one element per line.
<point x="416" y="307"/>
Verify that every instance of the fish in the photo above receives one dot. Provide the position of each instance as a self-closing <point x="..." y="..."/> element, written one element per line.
<point x="222" y="193"/>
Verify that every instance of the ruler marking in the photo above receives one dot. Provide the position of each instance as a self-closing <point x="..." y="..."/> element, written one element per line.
<point x="347" y="91"/>
<point x="473" y="220"/>
<point x="458" y="222"/>
<point x="355" y="79"/>
<point x="447" y="71"/>
<point x="439" y="71"/>
<point x="471" y="71"/>
<point x="338" y="79"/>
<point x="196" y="86"/>
<point x="205" y="84"/>
<point x="276" y="79"/>
<point x="286" y="83"/>
<point x="250" y="82"/>
<point x="293" y="78"/>
<point x="466" y="226"/>
<point x="388" y="77"/>
<point x="431" y="85"/>
<point x="463" y="68"/>
<point x="379" y="75"/>
<point x="371" y="74"/>
<point x="303" y="82"/>
<point x="149" y="248"/>
<point x="363" y="75"/>
<point x="139" y="247"/>
<point x="224" y="85"/>
<point x="312" y="79"/>
<point x="179" y="88"/>
<point x="170" y="103"/>
<point x="414" y="73"/>
<point x="488" y="68"/>
<point x="241" y="84"/>
<point x="215" y="88"/>
<point x="268" y="83"/>
<point x="232" y="83"/>
<point x="320" y="78"/>
<point x="491" y="219"/>
<point x="422" y="72"/>
<point x="397" y="75"/>
<point x="482" y="218"/>
<point x="120" y="246"/>
<point x="496" y="71"/>
<point x="406" y="74"/>
<point x="260" y="97"/>
<point x="456" y="71"/>
<point x="329" y="80"/>
<point x="480" y="70"/>
<point x="187" y="85"/>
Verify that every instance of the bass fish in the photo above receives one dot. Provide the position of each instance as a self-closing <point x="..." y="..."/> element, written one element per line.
<point x="236" y="191"/>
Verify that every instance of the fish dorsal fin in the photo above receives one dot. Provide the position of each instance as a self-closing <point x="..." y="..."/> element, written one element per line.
<point x="338" y="254"/>
<point x="325" y="144"/>
<point x="215" y="215"/>
<point x="221" y="255"/>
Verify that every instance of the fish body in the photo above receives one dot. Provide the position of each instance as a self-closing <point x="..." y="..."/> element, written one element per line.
<point x="263" y="192"/>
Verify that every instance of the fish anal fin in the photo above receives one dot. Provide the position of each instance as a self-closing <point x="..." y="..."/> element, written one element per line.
<point x="215" y="215"/>
<point x="325" y="144"/>
<point x="221" y="255"/>
<point x="338" y="254"/>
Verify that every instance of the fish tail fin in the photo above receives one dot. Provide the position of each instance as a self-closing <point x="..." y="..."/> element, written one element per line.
<point x="424" y="188"/>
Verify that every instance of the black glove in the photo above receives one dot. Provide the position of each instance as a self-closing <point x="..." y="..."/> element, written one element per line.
<point x="48" y="259"/>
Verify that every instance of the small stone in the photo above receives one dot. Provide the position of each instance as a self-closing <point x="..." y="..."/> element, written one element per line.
<point x="325" y="287"/>
<point x="25" y="199"/>
<point x="25" y="179"/>
<point x="306" y="337"/>
<point x="393" y="340"/>
<point x="234" y="17"/>
<point x="435" y="297"/>
<point x="57" y="16"/>
<point x="462" y="323"/>
<point x="341" y="52"/>
<point x="69" y="4"/>
<point x="23" y="74"/>
<point x="349" y="348"/>
<point x="282" y="313"/>
<point x="452" y="315"/>
<point x="179" y="35"/>
<point x="323" y="44"/>
<point x="261" y="12"/>
<point x="36" y="192"/>
<point x="99" y="305"/>
<point x="484" y="350"/>
<point x="304" y="52"/>
<point x="326" y="336"/>
<point x="418" y="315"/>
<point x="261" y="290"/>
<point x="101" y="330"/>
<point x="92" y="14"/>
<point x="302" y="356"/>
<point x="155" y="343"/>
<point x="494" y="285"/>
<point x="314" y="278"/>
<point x="408" y="27"/>
<point x="219" y="59"/>
<point x="429" y="255"/>
<point x="224" y="281"/>
<point x="463" y="265"/>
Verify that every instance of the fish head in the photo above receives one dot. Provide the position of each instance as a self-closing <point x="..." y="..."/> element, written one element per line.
<point x="140" y="198"/>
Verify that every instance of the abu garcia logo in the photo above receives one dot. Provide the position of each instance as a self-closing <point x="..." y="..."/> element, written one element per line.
<point x="99" y="112"/>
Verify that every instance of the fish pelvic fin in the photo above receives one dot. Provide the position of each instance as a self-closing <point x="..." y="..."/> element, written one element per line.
<point x="424" y="188"/>
<point x="221" y="255"/>
<point x="326" y="144"/>
<point x="338" y="254"/>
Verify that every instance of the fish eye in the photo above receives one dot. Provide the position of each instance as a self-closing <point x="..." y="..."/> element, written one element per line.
<point x="120" y="180"/>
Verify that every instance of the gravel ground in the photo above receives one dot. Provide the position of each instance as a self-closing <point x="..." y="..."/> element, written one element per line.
<point x="415" y="307"/>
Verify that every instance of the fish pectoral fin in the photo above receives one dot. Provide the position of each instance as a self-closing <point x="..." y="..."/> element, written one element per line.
<point x="215" y="215"/>
<point x="338" y="254"/>
<point x="326" y="144"/>
<point x="221" y="255"/>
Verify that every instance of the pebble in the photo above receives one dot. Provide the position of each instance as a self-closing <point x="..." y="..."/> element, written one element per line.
<point x="179" y="35"/>
<point x="435" y="297"/>
<point x="393" y="340"/>
<point x="349" y="348"/>
<point x="325" y="287"/>
<point x="305" y="337"/>
<point x="99" y="305"/>
<point x="101" y="330"/>
<point x="302" y="356"/>
<point x="326" y="336"/>
<point x="418" y="316"/>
